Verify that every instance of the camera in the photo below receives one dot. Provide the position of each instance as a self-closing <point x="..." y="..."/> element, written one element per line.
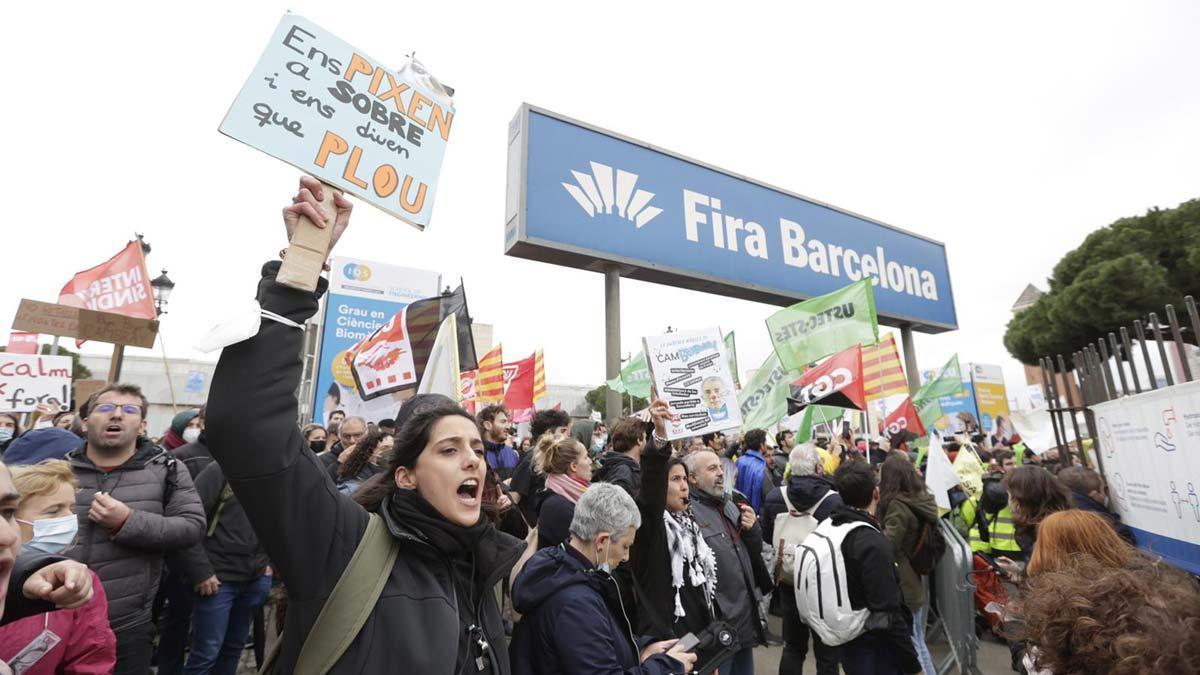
<point x="713" y="645"/>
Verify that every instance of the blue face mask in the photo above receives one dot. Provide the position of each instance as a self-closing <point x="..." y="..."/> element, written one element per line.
<point x="6" y="434"/>
<point x="52" y="535"/>
<point x="604" y="566"/>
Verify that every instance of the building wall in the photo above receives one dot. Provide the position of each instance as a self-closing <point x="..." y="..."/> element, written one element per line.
<point x="189" y="378"/>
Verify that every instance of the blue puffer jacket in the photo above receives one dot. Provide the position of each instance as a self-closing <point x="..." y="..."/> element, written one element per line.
<point x="574" y="621"/>
<point x="751" y="472"/>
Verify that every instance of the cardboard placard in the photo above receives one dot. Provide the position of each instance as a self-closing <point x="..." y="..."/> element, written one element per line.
<point x="29" y="379"/>
<point x="325" y="107"/>
<point x="51" y="319"/>
<point x="691" y="373"/>
<point x="84" y="390"/>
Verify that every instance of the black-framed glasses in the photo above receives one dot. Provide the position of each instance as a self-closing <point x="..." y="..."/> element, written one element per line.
<point x="127" y="408"/>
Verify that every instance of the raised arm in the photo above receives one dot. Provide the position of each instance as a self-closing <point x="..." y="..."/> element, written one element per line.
<point x="306" y="527"/>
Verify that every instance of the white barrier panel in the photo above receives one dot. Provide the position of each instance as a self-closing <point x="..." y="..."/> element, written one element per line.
<point x="1150" y="448"/>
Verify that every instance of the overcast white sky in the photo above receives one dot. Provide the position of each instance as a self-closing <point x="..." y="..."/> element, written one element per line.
<point x="1008" y="132"/>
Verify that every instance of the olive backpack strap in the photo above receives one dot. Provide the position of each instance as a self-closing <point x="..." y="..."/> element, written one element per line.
<point x="349" y="604"/>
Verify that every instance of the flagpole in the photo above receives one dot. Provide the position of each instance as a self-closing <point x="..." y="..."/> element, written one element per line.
<point x="167" y="370"/>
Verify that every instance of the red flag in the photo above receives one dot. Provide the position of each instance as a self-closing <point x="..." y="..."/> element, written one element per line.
<point x="466" y="389"/>
<point x="836" y="382"/>
<point x="119" y="285"/>
<point x="22" y="343"/>
<point x="518" y="388"/>
<point x="904" y="418"/>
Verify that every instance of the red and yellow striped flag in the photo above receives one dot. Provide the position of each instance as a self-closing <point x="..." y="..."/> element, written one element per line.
<point x="882" y="373"/>
<point x="489" y="383"/>
<point x="539" y="376"/>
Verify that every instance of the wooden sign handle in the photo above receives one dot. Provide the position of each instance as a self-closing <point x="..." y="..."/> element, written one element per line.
<point x="309" y="247"/>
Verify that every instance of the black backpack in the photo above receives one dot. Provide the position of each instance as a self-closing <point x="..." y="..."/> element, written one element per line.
<point x="929" y="548"/>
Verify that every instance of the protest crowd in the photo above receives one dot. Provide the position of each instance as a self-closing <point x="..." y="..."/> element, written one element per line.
<point x="436" y="541"/>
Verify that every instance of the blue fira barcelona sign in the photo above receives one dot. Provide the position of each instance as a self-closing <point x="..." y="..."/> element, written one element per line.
<point x="584" y="197"/>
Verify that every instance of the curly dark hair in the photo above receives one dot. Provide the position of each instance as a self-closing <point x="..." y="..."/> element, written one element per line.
<point x="361" y="455"/>
<point x="1093" y="618"/>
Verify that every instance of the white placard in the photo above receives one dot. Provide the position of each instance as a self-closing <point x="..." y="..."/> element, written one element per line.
<point x="29" y="379"/>
<point x="691" y="373"/>
<point x="1150" y="449"/>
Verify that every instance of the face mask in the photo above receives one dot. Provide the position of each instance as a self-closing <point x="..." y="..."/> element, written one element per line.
<point x="6" y="434"/>
<point x="317" y="446"/>
<point x="52" y="535"/>
<point x="599" y="445"/>
<point x="191" y="435"/>
<point x="604" y="566"/>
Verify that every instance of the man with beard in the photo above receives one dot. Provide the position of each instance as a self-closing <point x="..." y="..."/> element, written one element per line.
<point x="733" y="533"/>
<point x="135" y="503"/>
<point x="501" y="458"/>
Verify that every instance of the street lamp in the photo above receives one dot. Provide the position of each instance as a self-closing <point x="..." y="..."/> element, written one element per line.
<point x="162" y="286"/>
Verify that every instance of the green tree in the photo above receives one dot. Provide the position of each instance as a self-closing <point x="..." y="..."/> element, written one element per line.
<point x="1119" y="273"/>
<point x="596" y="399"/>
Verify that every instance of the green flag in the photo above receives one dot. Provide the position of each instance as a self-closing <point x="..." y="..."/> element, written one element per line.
<point x="814" y="415"/>
<point x="764" y="398"/>
<point x="635" y="376"/>
<point x="930" y="411"/>
<point x="825" y="325"/>
<point x="731" y="349"/>
<point x="947" y="382"/>
<point x="617" y="385"/>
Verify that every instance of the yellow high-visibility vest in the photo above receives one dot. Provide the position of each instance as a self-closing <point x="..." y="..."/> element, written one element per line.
<point x="1003" y="532"/>
<point x="967" y="511"/>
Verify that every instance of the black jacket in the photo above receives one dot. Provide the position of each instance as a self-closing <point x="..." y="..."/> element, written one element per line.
<point x="620" y="469"/>
<point x="650" y="563"/>
<point x="529" y="485"/>
<point x="1086" y="503"/>
<point x="554" y="519"/>
<point x="310" y="531"/>
<point x="574" y="621"/>
<point x="16" y="605"/>
<point x="873" y="583"/>
<point x="195" y="456"/>
<point x="803" y="492"/>
<point x="742" y="575"/>
<point x="232" y="551"/>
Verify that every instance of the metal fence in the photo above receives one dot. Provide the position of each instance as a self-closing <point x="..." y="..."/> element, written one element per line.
<point x="954" y="603"/>
<point x="1091" y="378"/>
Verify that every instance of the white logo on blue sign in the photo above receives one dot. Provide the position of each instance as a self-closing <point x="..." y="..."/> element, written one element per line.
<point x="601" y="192"/>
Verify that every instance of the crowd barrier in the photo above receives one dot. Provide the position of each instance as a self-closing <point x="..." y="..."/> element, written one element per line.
<point x="954" y="603"/>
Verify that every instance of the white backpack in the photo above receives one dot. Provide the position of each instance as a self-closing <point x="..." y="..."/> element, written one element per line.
<point x="822" y="596"/>
<point x="791" y="528"/>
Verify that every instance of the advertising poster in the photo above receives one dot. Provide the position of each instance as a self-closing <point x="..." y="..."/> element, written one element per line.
<point x="27" y="380"/>
<point x="691" y="373"/>
<point x="328" y="109"/>
<point x="1150" y="451"/>
<point x="363" y="295"/>
<point x="991" y="398"/>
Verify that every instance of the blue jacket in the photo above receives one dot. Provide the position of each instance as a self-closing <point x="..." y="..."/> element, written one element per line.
<point x="501" y="458"/>
<point x="751" y="472"/>
<point x="574" y="621"/>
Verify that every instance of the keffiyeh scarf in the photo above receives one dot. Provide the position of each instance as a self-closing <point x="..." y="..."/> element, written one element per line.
<point x="692" y="561"/>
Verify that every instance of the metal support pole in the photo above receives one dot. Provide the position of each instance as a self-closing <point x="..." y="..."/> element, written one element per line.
<point x="1074" y="421"/>
<point x="1108" y="378"/>
<point x="910" y="358"/>
<point x="1180" y="350"/>
<point x="1190" y="304"/>
<point x="1162" y="350"/>
<point x="1137" y="384"/>
<point x="1116" y="352"/>
<point x="612" y="338"/>
<point x="1051" y="400"/>
<point x="1141" y="336"/>
<point x="54" y="346"/>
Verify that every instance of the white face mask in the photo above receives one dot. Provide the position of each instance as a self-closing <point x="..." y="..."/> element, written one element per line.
<point x="603" y="565"/>
<point x="191" y="435"/>
<point x="52" y="535"/>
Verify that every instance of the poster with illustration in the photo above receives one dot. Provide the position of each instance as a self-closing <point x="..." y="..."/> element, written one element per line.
<point x="691" y="373"/>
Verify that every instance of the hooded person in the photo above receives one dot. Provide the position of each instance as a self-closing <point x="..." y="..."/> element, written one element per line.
<point x="582" y="431"/>
<point x="438" y="593"/>
<point x="40" y="445"/>
<point x="574" y="618"/>
<point x="180" y="433"/>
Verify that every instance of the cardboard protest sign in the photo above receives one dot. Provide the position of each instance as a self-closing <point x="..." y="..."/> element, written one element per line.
<point x="816" y="328"/>
<point x="84" y="389"/>
<point x="836" y="382"/>
<point x="51" y="319"/>
<point x="27" y="380"/>
<point x="325" y="107"/>
<point x="691" y="373"/>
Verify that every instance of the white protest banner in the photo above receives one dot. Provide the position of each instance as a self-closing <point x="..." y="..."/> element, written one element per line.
<point x="1150" y="451"/>
<point x="691" y="373"/>
<point x="27" y="380"/>
<point x="325" y="107"/>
